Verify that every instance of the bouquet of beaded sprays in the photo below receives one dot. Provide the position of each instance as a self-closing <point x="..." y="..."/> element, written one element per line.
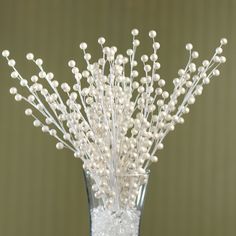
<point x="114" y="118"/>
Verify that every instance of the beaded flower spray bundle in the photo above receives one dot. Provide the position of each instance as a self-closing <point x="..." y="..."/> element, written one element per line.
<point x="114" y="120"/>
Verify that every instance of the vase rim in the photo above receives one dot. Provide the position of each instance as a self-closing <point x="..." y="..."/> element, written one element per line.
<point x="147" y="173"/>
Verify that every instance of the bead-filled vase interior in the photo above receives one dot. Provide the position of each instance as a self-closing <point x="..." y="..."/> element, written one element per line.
<point x="115" y="203"/>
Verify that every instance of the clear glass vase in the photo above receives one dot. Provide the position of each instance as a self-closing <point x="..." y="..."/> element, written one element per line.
<point x="116" y="209"/>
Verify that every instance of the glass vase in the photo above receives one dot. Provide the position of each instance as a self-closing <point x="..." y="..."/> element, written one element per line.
<point x="115" y="210"/>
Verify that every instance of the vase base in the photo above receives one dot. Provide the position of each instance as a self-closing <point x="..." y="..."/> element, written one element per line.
<point x="123" y="222"/>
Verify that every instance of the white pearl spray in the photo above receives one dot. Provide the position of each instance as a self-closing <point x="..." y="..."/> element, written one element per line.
<point x="114" y="120"/>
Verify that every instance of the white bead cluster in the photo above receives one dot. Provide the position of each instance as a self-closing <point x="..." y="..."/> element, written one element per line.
<point x="114" y="119"/>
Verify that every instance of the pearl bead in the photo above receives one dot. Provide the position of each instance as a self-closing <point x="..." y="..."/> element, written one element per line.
<point x="160" y="146"/>
<point x="160" y="102"/>
<point x="134" y="32"/>
<point x="222" y="59"/>
<point x="216" y="72"/>
<point x="42" y="74"/>
<point x="101" y="40"/>
<point x="50" y="76"/>
<point x="36" y="123"/>
<point x="135" y="85"/>
<point x="161" y="82"/>
<point x="59" y="146"/>
<point x="31" y="98"/>
<point x="143" y="80"/>
<point x="189" y="46"/>
<point x="87" y="56"/>
<point x="106" y="50"/>
<point x="13" y="90"/>
<point x="149" y="79"/>
<point x="65" y="87"/>
<point x="55" y="83"/>
<point x="40" y="107"/>
<point x="158" y="91"/>
<point x="134" y="73"/>
<point x="34" y="78"/>
<point x="156" y="45"/>
<point x="5" y="53"/>
<point x="71" y="63"/>
<point x="191" y="100"/>
<point x="77" y="155"/>
<point x="23" y="82"/>
<point x="195" y="78"/>
<point x="181" y="120"/>
<point x="11" y="63"/>
<point x="18" y="97"/>
<point x="195" y="54"/>
<point x="39" y="62"/>
<point x="129" y="52"/>
<point x="206" y="80"/>
<point x="154" y="159"/>
<point x="125" y="60"/>
<point x="219" y="50"/>
<point x="136" y="43"/>
<point x="189" y="84"/>
<point x="171" y="127"/>
<point x="198" y="92"/>
<point x="147" y="68"/>
<point x="156" y="77"/>
<point x="182" y="91"/>
<point x="45" y="129"/>
<point x="223" y="41"/>
<point x="144" y="58"/>
<point x="85" y="74"/>
<point x="29" y="56"/>
<point x="83" y="46"/>
<point x="152" y="34"/>
<point x="216" y="59"/>
<point x="157" y="66"/>
<point x="153" y="57"/>
<point x="141" y="170"/>
<point x="53" y="132"/>
<point x="186" y="110"/>
<point x="73" y="96"/>
<point x="48" y="121"/>
<point x="141" y="89"/>
<point x="181" y="72"/>
<point x="14" y="75"/>
<point x="205" y="63"/>
<point x="165" y="95"/>
<point x="192" y="67"/>
<point x="28" y="112"/>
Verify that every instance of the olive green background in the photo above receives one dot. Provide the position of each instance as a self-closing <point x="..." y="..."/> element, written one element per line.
<point x="192" y="190"/>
